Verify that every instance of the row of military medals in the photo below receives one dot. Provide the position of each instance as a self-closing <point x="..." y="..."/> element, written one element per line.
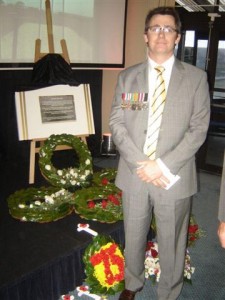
<point x="134" y="101"/>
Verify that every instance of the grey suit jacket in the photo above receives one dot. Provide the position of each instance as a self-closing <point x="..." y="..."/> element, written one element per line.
<point x="183" y="129"/>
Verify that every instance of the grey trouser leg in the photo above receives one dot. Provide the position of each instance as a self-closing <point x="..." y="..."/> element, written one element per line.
<point x="172" y="226"/>
<point x="137" y="217"/>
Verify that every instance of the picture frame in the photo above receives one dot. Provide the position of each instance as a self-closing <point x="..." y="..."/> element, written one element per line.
<point x="55" y="109"/>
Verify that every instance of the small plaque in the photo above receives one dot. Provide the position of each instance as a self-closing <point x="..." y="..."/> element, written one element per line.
<point x="57" y="108"/>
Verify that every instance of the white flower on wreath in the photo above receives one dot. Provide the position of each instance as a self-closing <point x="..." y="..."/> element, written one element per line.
<point x="150" y="262"/>
<point x="83" y="177"/>
<point x="21" y="206"/>
<point x="49" y="199"/>
<point x="60" y="192"/>
<point x="48" y="167"/>
<point x="87" y="162"/>
<point x="37" y="203"/>
<point x="60" y="172"/>
<point x="151" y="271"/>
<point x="63" y="181"/>
<point x="73" y="182"/>
<point x="87" y="172"/>
<point x="72" y="172"/>
<point x="188" y="270"/>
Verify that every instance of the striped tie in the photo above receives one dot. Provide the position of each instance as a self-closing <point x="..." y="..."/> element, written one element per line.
<point x="157" y="106"/>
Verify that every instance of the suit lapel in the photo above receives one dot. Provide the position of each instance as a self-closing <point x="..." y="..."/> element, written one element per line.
<point x="174" y="84"/>
<point x="175" y="79"/>
<point x="142" y="78"/>
<point x="142" y="82"/>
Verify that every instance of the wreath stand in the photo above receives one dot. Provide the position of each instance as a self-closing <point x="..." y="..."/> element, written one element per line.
<point x="36" y="144"/>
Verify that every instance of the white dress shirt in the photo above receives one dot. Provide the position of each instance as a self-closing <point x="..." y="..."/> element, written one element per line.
<point x="152" y="74"/>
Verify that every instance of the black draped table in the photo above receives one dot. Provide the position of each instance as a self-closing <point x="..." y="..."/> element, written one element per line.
<point x="44" y="261"/>
<point x="41" y="261"/>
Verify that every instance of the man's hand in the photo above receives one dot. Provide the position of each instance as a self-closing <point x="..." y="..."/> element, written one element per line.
<point x="150" y="172"/>
<point x="221" y="233"/>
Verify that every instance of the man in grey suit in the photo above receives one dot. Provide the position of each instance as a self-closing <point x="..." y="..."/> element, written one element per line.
<point x="167" y="181"/>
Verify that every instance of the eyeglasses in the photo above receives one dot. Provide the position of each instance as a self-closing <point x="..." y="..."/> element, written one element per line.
<point x="159" y="29"/>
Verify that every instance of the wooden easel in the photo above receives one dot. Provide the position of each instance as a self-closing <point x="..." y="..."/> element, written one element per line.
<point x="36" y="144"/>
<point x="51" y="48"/>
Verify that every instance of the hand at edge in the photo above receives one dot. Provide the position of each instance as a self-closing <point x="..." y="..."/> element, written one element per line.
<point x="221" y="234"/>
<point x="150" y="172"/>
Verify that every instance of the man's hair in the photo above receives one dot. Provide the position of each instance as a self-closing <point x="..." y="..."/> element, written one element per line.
<point x="163" y="10"/>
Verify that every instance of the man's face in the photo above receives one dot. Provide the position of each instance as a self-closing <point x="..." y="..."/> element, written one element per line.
<point x="161" y="44"/>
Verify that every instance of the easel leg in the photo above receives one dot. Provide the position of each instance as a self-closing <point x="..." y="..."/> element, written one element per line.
<point x="32" y="161"/>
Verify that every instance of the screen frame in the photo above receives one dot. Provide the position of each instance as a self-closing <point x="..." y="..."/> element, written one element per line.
<point x="101" y="66"/>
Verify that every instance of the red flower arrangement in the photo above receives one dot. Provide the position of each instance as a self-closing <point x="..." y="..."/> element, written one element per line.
<point x="194" y="232"/>
<point x="104" y="178"/>
<point x="96" y="203"/>
<point x="104" y="181"/>
<point x="108" y="257"/>
<point x="91" y="204"/>
<point x="151" y="247"/>
<point x="113" y="198"/>
<point x="104" y="266"/>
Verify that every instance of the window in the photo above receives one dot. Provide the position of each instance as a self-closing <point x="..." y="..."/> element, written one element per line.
<point x="220" y="73"/>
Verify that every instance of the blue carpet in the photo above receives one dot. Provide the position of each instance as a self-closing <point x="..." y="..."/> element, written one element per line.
<point x="208" y="258"/>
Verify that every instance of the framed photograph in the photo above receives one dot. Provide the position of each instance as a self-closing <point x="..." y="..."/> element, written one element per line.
<point x="54" y="110"/>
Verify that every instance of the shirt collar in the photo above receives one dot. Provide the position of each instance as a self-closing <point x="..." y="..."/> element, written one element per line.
<point x="167" y="64"/>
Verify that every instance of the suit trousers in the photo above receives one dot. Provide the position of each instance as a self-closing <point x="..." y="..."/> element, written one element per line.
<point x="172" y="219"/>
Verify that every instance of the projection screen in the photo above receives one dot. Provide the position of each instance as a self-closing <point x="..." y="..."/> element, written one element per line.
<point x="94" y="31"/>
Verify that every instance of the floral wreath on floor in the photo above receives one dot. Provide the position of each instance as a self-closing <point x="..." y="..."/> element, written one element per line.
<point x="104" y="266"/>
<point x="152" y="265"/>
<point x="99" y="204"/>
<point x="71" y="177"/>
<point x="152" y="262"/>
<point x="40" y="205"/>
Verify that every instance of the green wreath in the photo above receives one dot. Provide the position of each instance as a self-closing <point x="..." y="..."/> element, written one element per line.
<point x="70" y="177"/>
<point x="40" y="205"/>
<point x="104" y="178"/>
<point x="99" y="204"/>
<point x="104" y="266"/>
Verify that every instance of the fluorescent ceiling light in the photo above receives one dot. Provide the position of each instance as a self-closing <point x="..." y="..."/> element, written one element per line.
<point x="190" y="5"/>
